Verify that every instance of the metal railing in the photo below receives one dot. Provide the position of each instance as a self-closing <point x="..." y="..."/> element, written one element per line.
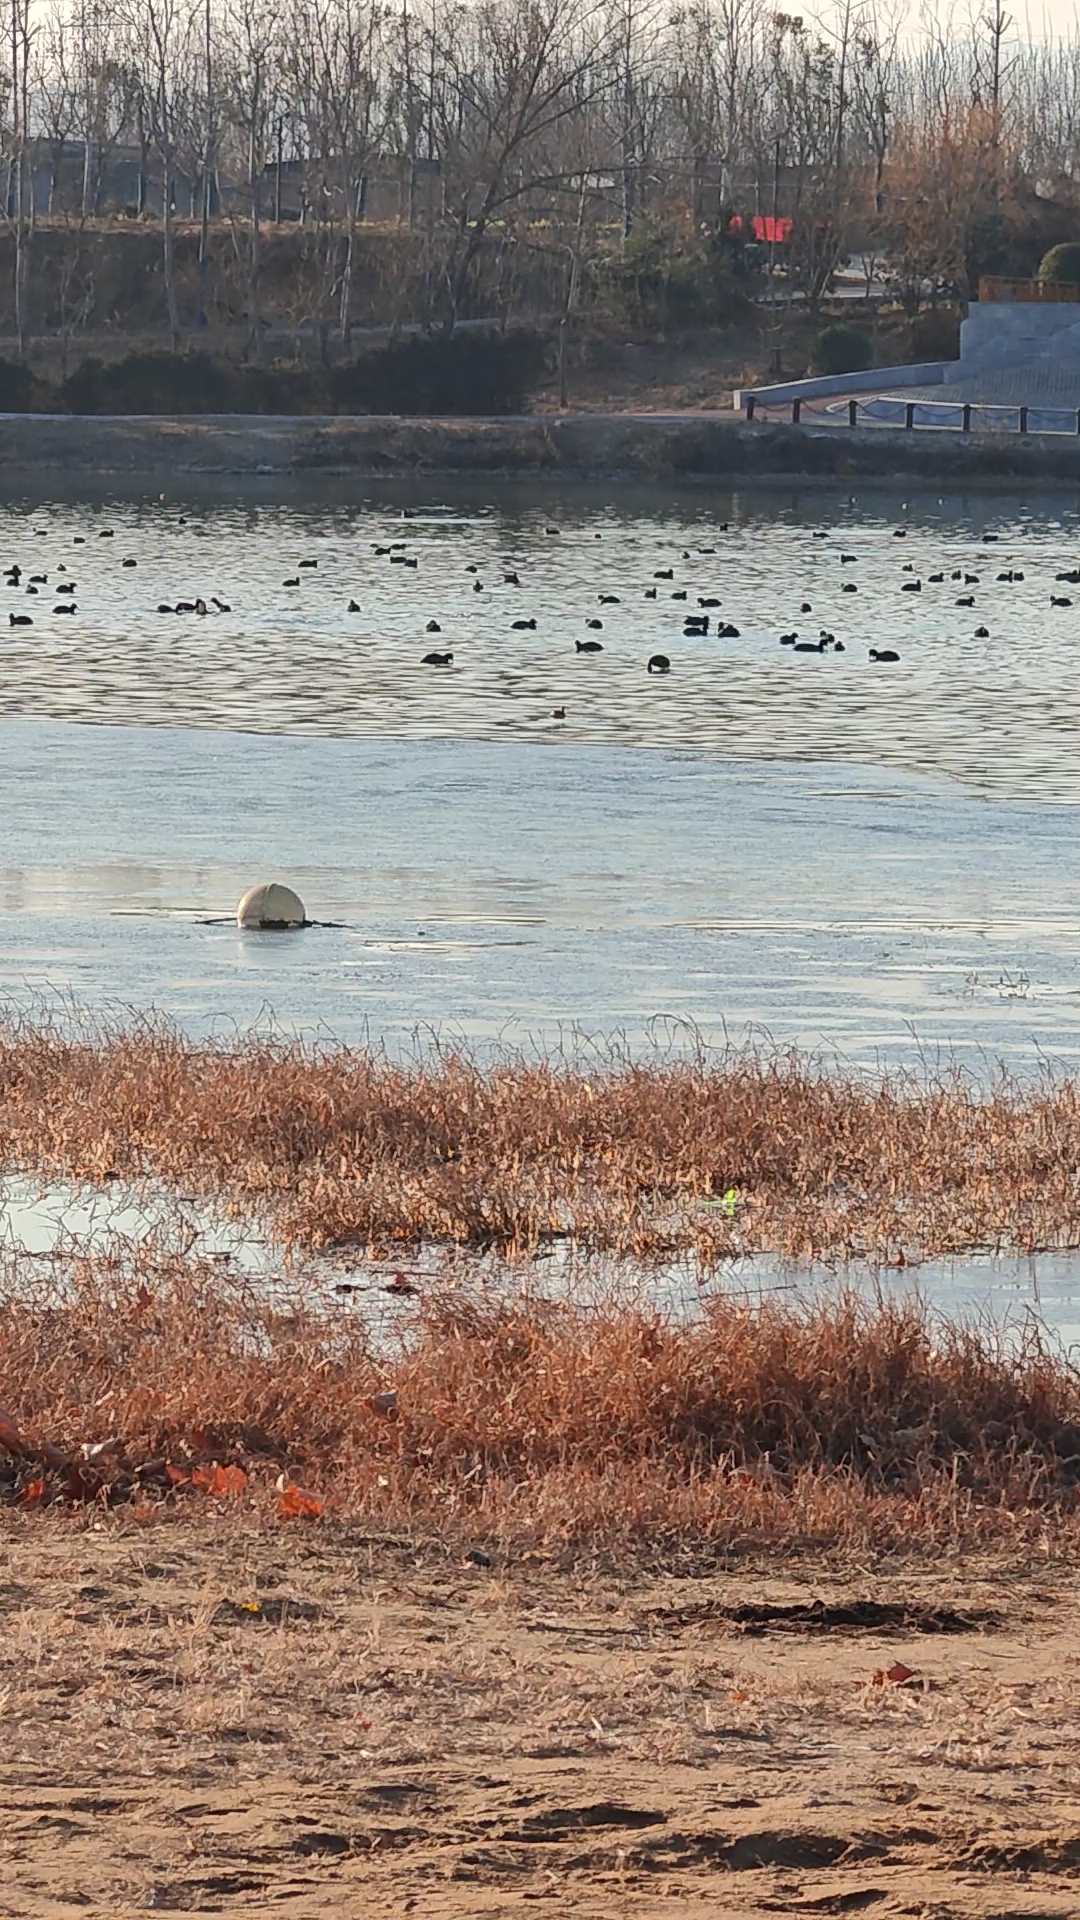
<point x="1034" y="292"/>
<point x="970" y="417"/>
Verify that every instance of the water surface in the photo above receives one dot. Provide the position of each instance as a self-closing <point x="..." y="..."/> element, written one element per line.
<point x="511" y="894"/>
<point x="997" y="712"/>
<point x="875" y="862"/>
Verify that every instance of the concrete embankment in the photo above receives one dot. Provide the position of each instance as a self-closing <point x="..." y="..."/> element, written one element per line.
<point x="704" y="448"/>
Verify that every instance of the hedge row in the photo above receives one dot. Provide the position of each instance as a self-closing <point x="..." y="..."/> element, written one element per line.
<point x="467" y="373"/>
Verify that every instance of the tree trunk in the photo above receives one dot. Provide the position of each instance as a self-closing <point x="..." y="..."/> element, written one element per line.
<point x="254" y="258"/>
<point x="345" y="309"/>
<point x="169" y="253"/>
<point x="20" y="257"/>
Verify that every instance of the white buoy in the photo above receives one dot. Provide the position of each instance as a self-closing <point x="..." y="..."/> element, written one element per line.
<point x="270" y="908"/>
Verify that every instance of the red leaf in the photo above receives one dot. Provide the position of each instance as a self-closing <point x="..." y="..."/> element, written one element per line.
<point x="294" y="1501"/>
<point x="893" y="1676"/>
<point x="10" y="1437"/>
<point x="224" y="1482"/>
<point x="33" y="1494"/>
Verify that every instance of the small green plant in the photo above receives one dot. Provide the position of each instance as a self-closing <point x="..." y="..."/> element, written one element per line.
<point x="841" y="349"/>
<point x="1062" y="264"/>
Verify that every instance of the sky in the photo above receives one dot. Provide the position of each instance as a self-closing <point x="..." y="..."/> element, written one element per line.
<point x="1042" y="20"/>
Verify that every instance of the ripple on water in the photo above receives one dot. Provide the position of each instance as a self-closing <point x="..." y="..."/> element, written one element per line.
<point x="999" y="713"/>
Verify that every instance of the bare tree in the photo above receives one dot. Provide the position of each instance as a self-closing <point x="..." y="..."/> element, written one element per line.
<point x="716" y="87"/>
<point x="340" y="84"/>
<point x="518" y="139"/>
<point x="162" y="40"/>
<point x="251" y="59"/>
<point x="22" y="33"/>
<point x="513" y="78"/>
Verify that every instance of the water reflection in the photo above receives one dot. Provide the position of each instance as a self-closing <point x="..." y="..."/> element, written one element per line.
<point x="42" y="1226"/>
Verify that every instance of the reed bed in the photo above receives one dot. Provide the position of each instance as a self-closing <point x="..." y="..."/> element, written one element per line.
<point x="339" y="1147"/>
<point x="141" y="1379"/>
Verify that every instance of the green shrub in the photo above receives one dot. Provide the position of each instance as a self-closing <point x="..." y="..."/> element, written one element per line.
<point x="17" y="386"/>
<point x="150" y="383"/>
<point x="279" y="389"/>
<point x="1062" y="263"/>
<point x="935" y="335"/>
<point x="660" y="280"/>
<point x="841" y="349"/>
<point x="467" y="373"/>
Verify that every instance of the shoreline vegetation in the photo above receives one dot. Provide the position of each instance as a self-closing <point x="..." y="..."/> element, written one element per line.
<point x="708" y="1156"/>
<point x="687" y="449"/>
<point x="140" y="1382"/>
<point x="440" y="1589"/>
<point x="471" y="1405"/>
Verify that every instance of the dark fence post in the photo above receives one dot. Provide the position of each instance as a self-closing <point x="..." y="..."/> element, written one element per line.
<point x="966" y="419"/>
<point x="909" y="415"/>
<point x="1023" y="419"/>
<point x="751" y="402"/>
<point x="853" y="413"/>
<point x="796" y="410"/>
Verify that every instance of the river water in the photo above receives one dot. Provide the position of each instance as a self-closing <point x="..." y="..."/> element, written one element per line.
<point x="877" y="861"/>
<point x="870" y="859"/>
<point x="998" y="713"/>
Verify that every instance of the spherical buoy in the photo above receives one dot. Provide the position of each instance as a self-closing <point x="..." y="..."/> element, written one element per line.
<point x="271" y="908"/>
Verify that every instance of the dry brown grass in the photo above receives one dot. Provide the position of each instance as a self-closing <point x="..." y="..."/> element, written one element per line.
<point x="550" y="1426"/>
<point x="346" y="1147"/>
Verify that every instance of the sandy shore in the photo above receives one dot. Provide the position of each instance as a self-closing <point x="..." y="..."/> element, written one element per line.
<point x="707" y="448"/>
<point x="216" y="1717"/>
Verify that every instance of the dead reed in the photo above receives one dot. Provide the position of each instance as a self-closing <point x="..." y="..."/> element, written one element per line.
<point x="344" y="1147"/>
<point x="536" y="1425"/>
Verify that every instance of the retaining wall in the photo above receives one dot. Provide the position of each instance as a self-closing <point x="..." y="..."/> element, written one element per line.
<point x="718" y="450"/>
<point x="1002" y="333"/>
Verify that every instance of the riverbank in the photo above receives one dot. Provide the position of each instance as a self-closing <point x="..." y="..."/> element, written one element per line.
<point x="586" y="1419"/>
<point x="235" y="1718"/>
<point x="686" y="449"/>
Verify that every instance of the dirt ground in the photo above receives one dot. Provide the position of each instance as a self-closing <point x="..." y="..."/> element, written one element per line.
<point x="701" y="370"/>
<point x="658" y="376"/>
<point x="226" y="1718"/>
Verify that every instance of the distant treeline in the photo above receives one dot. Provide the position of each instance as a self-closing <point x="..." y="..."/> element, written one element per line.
<point x="258" y="160"/>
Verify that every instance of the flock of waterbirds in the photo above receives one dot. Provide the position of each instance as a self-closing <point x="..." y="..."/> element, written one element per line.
<point x="697" y="622"/>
